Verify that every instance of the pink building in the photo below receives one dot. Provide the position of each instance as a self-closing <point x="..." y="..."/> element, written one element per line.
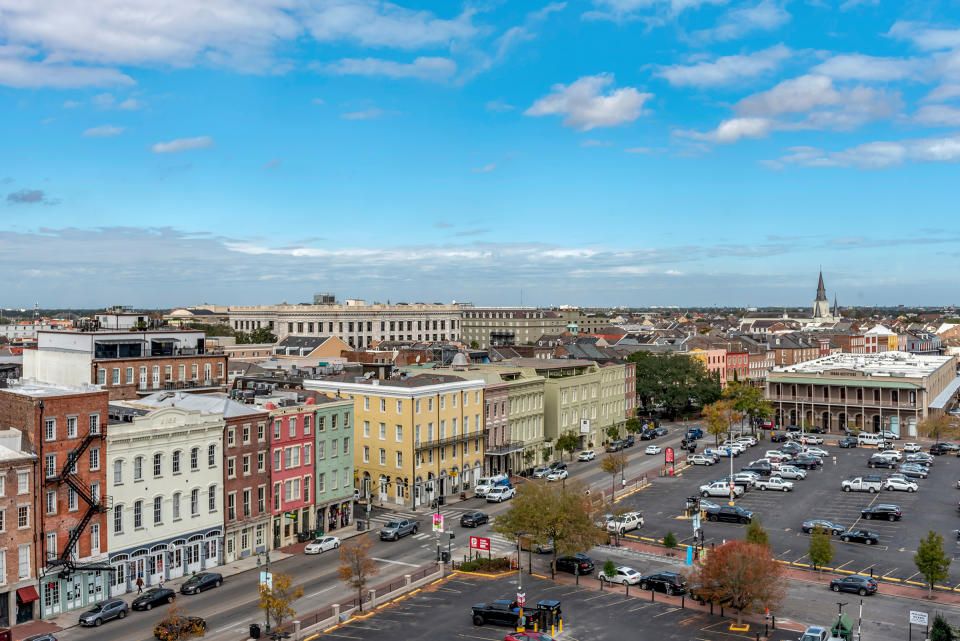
<point x="714" y="360"/>
<point x="291" y="470"/>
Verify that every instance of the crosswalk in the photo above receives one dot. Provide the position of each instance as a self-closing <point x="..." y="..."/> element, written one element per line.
<point x="451" y="519"/>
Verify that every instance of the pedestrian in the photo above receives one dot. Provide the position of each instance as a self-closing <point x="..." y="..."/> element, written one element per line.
<point x="139" y="584"/>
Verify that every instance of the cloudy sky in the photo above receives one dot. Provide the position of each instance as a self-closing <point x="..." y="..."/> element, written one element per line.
<point x="596" y="152"/>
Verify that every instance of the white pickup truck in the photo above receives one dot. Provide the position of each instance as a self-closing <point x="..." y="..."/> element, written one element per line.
<point x="720" y="488"/>
<point x="773" y="483"/>
<point x="871" y="483"/>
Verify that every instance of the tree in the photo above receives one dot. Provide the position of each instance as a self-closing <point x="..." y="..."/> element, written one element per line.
<point x="821" y="547"/>
<point x="675" y="383"/>
<point x="756" y="534"/>
<point x="613" y="432"/>
<point x="719" y="416"/>
<point x="609" y="569"/>
<point x="941" y="630"/>
<point x="568" y="442"/>
<point x="669" y="540"/>
<point x="633" y="425"/>
<point x="937" y="426"/>
<point x="613" y="463"/>
<point x="275" y="601"/>
<point x="474" y="345"/>
<point x="742" y="576"/>
<point x="356" y="566"/>
<point x="552" y="512"/>
<point x="175" y="626"/>
<point x="749" y="401"/>
<point x="262" y="335"/>
<point x="931" y="561"/>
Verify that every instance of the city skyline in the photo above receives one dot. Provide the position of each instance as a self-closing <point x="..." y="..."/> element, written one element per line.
<point x="600" y="153"/>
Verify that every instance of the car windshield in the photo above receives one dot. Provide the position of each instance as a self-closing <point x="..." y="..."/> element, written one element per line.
<point x="194" y="579"/>
<point x="151" y="592"/>
<point x="97" y="608"/>
<point x="393" y="524"/>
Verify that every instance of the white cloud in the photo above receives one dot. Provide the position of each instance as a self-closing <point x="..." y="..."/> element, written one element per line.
<point x="626" y="10"/>
<point x="486" y="169"/>
<point x="925" y="37"/>
<point x="586" y="107"/>
<point x="24" y="74"/>
<point x="767" y="15"/>
<point x="870" y="68"/>
<point x="182" y="144"/>
<point x="71" y="104"/>
<point x="383" y="24"/>
<point x="853" y="4"/>
<point x="733" y="129"/>
<point x="104" y="131"/>
<point x="318" y="101"/>
<point x="423" y="68"/>
<point x="938" y="116"/>
<point x="946" y="91"/>
<point x="366" y="114"/>
<point x="130" y="104"/>
<point x="727" y="69"/>
<point x="104" y="100"/>
<point x="595" y="143"/>
<point x="498" y="106"/>
<point x="638" y="150"/>
<point x="880" y="154"/>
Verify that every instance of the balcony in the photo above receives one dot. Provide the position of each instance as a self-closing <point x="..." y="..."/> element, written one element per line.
<point x="502" y="449"/>
<point x="194" y="385"/>
<point x="822" y="400"/>
<point x="423" y="444"/>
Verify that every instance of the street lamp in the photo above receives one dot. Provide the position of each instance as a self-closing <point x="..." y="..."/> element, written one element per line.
<point x="264" y="577"/>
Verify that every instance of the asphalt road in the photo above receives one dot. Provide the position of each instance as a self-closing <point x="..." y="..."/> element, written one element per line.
<point x="934" y="506"/>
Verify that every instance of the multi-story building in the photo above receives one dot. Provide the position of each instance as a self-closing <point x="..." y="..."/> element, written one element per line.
<point x="354" y="322"/>
<point x="128" y="364"/>
<point x="879" y="339"/>
<point x="738" y="365"/>
<point x="334" y="446"/>
<point x="18" y="565"/>
<point x="166" y="481"/>
<point x="417" y="437"/>
<point x="245" y="467"/>
<point x="714" y="361"/>
<point x="65" y="428"/>
<point x="499" y="326"/>
<point x="630" y="389"/>
<point x="890" y="391"/>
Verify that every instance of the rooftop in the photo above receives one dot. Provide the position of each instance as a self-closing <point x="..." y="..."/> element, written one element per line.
<point x="206" y="403"/>
<point x="892" y="364"/>
<point x="40" y="389"/>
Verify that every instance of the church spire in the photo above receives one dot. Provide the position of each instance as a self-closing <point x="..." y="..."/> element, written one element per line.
<point x="836" y="308"/>
<point x="821" y="290"/>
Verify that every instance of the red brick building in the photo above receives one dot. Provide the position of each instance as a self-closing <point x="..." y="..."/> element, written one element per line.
<point x="65" y="428"/>
<point x="18" y="540"/>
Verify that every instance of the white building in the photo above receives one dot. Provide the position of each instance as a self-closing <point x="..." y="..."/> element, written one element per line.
<point x="166" y="480"/>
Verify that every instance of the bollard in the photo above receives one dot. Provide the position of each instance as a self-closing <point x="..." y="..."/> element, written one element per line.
<point x="773" y="621"/>
<point x="628" y="588"/>
<point x="766" y="630"/>
<point x="553" y="630"/>
<point x="651" y="595"/>
<point x="536" y="626"/>
<point x="601" y="584"/>
<point x="721" y="609"/>
<point x="758" y="636"/>
<point x="682" y="600"/>
<point x="711" y="608"/>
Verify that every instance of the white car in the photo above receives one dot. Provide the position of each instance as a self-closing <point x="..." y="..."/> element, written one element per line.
<point x="700" y="459"/>
<point x="775" y="483"/>
<point x="811" y="439"/>
<point x="557" y="475"/>
<point x="739" y="448"/>
<point x="911" y="447"/>
<point x="653" y="449"/>
<point x="623" y="575"/>
<point x="586" y="455"/>
<point x="720" y="488"/>
<point x="896" y="455"/>
<point x="500" y="493"/>
<point x="752" y="440"/>
<point x="817" y="451"/>
<point x="625" y="522"/>
<point x="790" y="472"/>
<point x="899" y="484"/>
<point x="322" y="544"/>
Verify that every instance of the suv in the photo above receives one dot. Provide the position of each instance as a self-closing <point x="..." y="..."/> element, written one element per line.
<point x="574" y="561"/>
<point x="666" y="582"/>
<point x="881" y="461"/>
<point x="730" y="514"/>
<point x="500" y="493"/>
<point x="104" y="611"/>
<point x="541" y="472"/>
<point x="848" y="441"/>
<point x="625" y="522"/>
<point x="889" y="512"/>
<point x="501" y="612"/>
<point x="614" y="446"/>
<point x="862" y="585"/>
<point x="761" y="467"/>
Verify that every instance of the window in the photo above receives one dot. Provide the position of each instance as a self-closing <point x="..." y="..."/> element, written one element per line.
<point x="366" y="402"/>
<point x="101" y="377"/>
<point x="71" y="499"/>
<point x="346" y="445"/>
<point x="333" y="449"/>
<point x="399" y="407"/>
<point x="118" y="519"/>
<point x="333" y="422"/>
<point x="138" y="468"/>
<point x="383" y="405"/>
<point x="383" y="431"/>
<point x="176" y="506"/>
<point x="212" y="498"/>
<point x="454" y="397"/>
<point x="333" y="480"/>
<point x="231" y="437"/>
<point x="175" y="465"/>
<point x="292" y="422"/>
<point x="321" y="478"/>
<point x="23" y="482"/>
<point x="246" y="434"/>
<point x="366" y="454"/>
<point x="443" y="401"/>
<point x="115" y="379"/>
<point x="383" y="456"/>
<point x="261" y="461"/>
<point x="246" y="502"/>
<point x="50" y="429"/>
<point x="129" y="378"/>
<point x="195" y="459"/>
<point x="306" y="454"/>
<point x="94" y="423"/>
<point x="3" y="522"/>
<point x="23" y="557"/>
<point x="231" y="467"/>
<point x="346" y="420"/>
<point x="321" y="423"/>
<point x="306" y="425"/>
<point x="157" y="510"/>
<point x="232" y="506"/>
<point x="366" y="429"/>
<point x="51" y="502"/>
<point x="50" y="465"/>
<point x="194" y="502"/>
<point x="246" y="464"/>
<point x="416" y="406"/>
<point x="306" y="488"/>
<point x="157" y="465"/>
<point x="261" y="498"/>
<point x="430" y="404"/>
<point x="138" y="515"/>
<point x="94" y="538"/>
<point x="94" y="459"/>
<point x="320" y="450"/>
<point x="399" y="460"/>
<point x="211" y="456"/>
<point x="399" y="435"/>
<point x="71" y="427"/>
<point x="276" y="430"/>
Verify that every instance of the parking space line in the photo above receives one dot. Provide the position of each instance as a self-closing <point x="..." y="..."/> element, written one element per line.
<point x="665" y="612"/>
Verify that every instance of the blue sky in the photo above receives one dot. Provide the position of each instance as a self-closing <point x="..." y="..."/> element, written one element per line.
<point x="600" y="152"/>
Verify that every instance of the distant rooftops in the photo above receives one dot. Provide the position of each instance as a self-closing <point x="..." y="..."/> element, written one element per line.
<point x="40" y="389"/>
<point x="893" y="364"/>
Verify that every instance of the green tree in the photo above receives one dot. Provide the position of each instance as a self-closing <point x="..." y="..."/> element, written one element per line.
<point x="613" y="432"/>
<point x="931" y="560"/>
<point x="719" y="416"/>
<point x="633" y="425"/>
<point x="262" y="335"/>
<point x="609" y="570"/>
<point x="669" y="540"/>
<point x="757" y="534"/>
<point x="613" y="463"/>
<point x="674" y="382"/>
<point x="474" y="345"/>
<point x="821" y="547"/>
<point x="941" y="630"/>
<point x="568" y="442"/>
<point x="749" y="401"/>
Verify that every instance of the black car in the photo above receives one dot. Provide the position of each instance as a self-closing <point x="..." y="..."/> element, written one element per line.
<point x="152" y="597"/>
<point x="558" y="465"/>
<point x="629" y="441"/>
<point x="860" y="536"/>
<point x="473" y="519"/>
<point x="942" y="448"/>
<point x="730" y="514"/>
<point x="666" y="582"/>
<point x="501" y="612"/>
<point x="914" y="470"/>
<point x="793" y="428"/>
<point x="862" y="585"/>
<point x="791" y="447"/>
<point x="45" y="636"/>
<point x="881" y="461"/>
<point x="573" y="562"/>
<point x="830" y="526"/>
<point x="200" y="582"/>
<point x="181" y="627"/>
<point x="763" y="468"/>
<point x="648" y="435"/>
<point x="777" y="437"/>
<point x="847" y="442"/>
<point x="889" y="512"/>
<point x="808" y="462"/>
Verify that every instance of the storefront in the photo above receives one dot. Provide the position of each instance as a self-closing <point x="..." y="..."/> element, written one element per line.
<point x="335" y="515"/>
<point x="62" y="592"/>
<point x="17" y="605"/>
<point x="244" y="540"/>
<point x="165" y="560"/>
<point x="288" y="527"/>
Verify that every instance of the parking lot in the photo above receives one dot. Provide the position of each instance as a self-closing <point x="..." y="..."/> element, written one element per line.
<point x="442" y="611"/>
<point x="934" y="506"/>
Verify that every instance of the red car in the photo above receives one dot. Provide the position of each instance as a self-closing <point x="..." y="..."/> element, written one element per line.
<point x="527" y="636"/>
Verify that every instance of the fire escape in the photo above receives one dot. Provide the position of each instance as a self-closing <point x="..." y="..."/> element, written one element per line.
<point x="95" y="505"/>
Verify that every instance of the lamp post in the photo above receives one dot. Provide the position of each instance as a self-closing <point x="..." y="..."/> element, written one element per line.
<point x="265" y="579"/>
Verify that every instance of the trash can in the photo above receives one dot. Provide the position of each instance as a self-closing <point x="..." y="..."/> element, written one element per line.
<point x="445" y="556"/>
<point x="254" y="630"/>
<point x="442" y="500"/>
<point x="360" y="525"/>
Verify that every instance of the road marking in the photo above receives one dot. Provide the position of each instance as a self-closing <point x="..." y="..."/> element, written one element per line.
<point x="847" y="563"/>
<point x="392" y="562"/>
<point x="662" y="613"/>
<point x="307" y="596"/>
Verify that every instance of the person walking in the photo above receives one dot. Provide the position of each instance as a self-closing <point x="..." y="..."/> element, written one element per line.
<point x="139" y="584"/>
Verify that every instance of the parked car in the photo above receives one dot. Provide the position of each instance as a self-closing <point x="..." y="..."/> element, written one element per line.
<point x="896" y="455"/>
<point x="815" y="633"/>
<point x="808" y="461"/>
<point x="720" y="488"/>
<point x="889" y="436"/>
<point x="730" y="514"/>
<point x="846" y="442"/>
<point x="200" y="582"/>
<point x="324" y="543"/>
<point x="586" y="455"/>
<point x="625" y="522"/>
<point x="558" y="465"/>
<point x="653" y="449"/>
<point x="528" y="635"/>
<point x="775" y="483"/>
<point x="817" y="451"/>
<point x="776" y="437"/>
<point x="700" y="459"/>
<point x="648" y="435"/>
<point x="104" y="611"/>
<point x="557" y="475"/>
<point x="790" y="472"/>
<point x="830" y="526"/>
<point x="860" y="536"/>
<point x="541" y="472"/>
<point x="900" y="485"/>
<point x="666" y="582"/>
<point x="572" y="562"/>
<point x="914" y="470"/>
<point x="539" y="548"/>
<point x="946" y="447"/>
<point x="474" y="519"/>
<point x="911" y="447"/>
<point x="624" y="575"/>
<point x="152" y="597"/>
<point x="881" y="461"/>
<point x="695" y="432"/>
<point x="856" y="583"/>
<point x="870" y="483"/>
<point x="613" y="446"/>
<point x="500" y="494"/>
<point x="882" y="511"/>
<point x="920" y="457"/>
<point x="811" y="439"/>
<point x="179" y="627"/>
<point x="662" y="431"/>
<point x="501" y="612"/>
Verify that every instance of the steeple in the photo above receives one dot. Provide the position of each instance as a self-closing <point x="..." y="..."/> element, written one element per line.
<point x="821" y="306"/>
<point x="836" y="308"/>
<point x="821" y="290"/>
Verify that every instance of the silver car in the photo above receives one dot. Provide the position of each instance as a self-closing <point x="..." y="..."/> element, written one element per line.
<point x="541" y="472"/>
<point x="790" y="472"/>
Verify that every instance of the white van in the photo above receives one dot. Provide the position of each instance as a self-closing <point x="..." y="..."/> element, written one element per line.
<point x="487" y="482"/>
<point x="869" y="439"/>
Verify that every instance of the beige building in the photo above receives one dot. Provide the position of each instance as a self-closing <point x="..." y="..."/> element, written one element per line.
<point x="499" y="326"/>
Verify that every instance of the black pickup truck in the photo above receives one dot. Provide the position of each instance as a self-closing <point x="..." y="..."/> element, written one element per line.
<point x="502" y="612"/>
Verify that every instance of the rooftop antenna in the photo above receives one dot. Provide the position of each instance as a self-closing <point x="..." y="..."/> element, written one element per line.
<point x="36" y="309"/>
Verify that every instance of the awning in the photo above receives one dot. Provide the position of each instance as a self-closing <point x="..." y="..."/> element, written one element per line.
<point x="28" y="594"/>
<point x="944" y="397"/>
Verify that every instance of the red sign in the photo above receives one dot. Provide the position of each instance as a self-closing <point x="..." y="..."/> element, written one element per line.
<point x="479" y="543"/>
<point x="668" y="455"/>
<point x="521" y="599"/>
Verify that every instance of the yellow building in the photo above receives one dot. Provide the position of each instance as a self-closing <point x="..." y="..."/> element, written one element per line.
<point x="417" y="437"/>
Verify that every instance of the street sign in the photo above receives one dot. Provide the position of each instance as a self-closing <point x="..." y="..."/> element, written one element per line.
<point x="696" y="523"/>
<point x="266" y="578"/>
<point x="438" y="523"/>
<point x="918" y="618"/>
<point x="668" y="455"/>
<point x="479" y="543"/>
<point x="521" y="598"/>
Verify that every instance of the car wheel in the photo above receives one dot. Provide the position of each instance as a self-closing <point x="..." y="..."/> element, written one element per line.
<point x="763" y="488"/>
<point x="705" y="494"/>
<point x="786" y="489"/>
<point x="835" y="587"/>
<point x="863" y="592"/>
<point x="836" y="532"/>
<point x="911" y="489"/>
<point x="98" y="622"/>
<point x="415" y="528"/>
<point x="846" y="489"/>
<point x="148" y="606"/>
<point x="336" y="545"/>
<point x="891" y="518"/>
<point x="396" y="536"/>
<point x="217" y="584"/>
<point x="477" y="619"/>
<point x="744" y="521"/>
<point x="123" y="613"/>
<point x="169" y="600"/>
<point x="711" y="517"/>
<point x="868" y="542"/>
<point x="644" y="585"/>
<point x="845" y="539"/>
<point x="872" y="490"/>
<point x="669" y="591"/>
